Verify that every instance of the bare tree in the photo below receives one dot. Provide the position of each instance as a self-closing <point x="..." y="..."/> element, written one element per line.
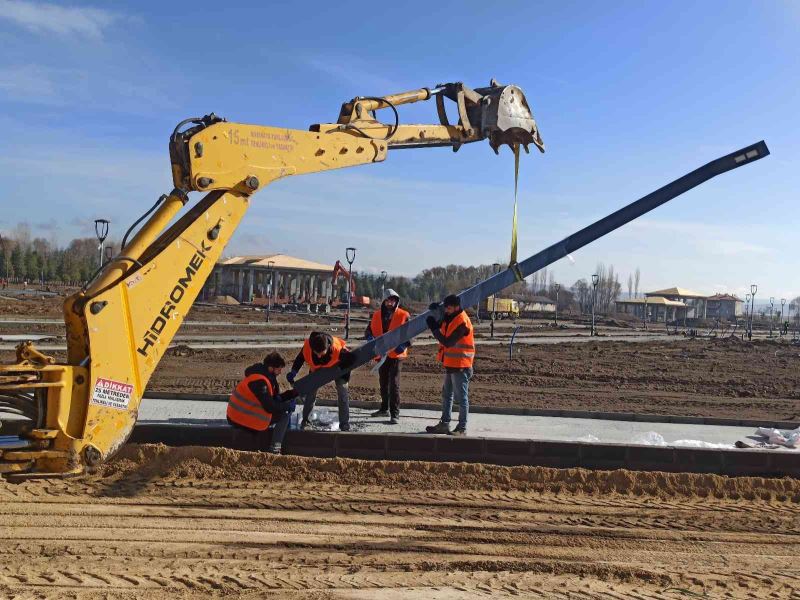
<point x="636" y="276"/>
<point x="630" y="286"/>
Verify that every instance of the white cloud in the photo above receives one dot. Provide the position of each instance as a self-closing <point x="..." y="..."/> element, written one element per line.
<point x="43" y="17"/>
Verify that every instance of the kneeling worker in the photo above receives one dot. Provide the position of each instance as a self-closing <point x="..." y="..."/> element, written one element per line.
<point x="389" y="317"/>
<point x="456" y="339"/>
<point x="322" y="351"/>
<point x="257" y="401"/>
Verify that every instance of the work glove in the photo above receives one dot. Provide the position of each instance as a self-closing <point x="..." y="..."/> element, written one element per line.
<point x="347" y="360"/>
<point x="434" y="305"/>
<point x="289" y="395"/>
<point x="290" y="376"/>
<point x="291" y="405"/>
<point x="402" y="348"/>
<point x="432" y="323"/>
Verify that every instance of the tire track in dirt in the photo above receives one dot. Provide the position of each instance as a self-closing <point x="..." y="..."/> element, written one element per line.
<point x="166" y="523"/>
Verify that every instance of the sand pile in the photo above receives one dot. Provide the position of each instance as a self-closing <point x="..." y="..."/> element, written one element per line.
<point x="155" y="461"/>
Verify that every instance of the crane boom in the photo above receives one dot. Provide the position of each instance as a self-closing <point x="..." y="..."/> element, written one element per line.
<point x="119" y="327"/>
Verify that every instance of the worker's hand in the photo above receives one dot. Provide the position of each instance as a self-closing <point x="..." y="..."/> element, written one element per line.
<point x="289" y="395"/>
<point x="432" y="323"/>
<point x="291" y="376"/>
<point x="434" y="305"/>
<point x="291" y="406"/>
<point x="400" y="349"/>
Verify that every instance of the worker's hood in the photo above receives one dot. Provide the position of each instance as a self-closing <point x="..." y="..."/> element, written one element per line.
<point x="390" y="293"/>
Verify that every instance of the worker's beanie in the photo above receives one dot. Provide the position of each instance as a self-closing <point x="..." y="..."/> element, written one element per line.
<point x="390" y="293"/>
<point x="274" y="360"/>
<point x="452" y="300"/>
<point x="318" y="342"/>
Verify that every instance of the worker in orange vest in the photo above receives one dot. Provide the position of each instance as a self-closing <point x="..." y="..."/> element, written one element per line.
<point x="389" y="317"/>
<point x="322" y="351"/>
<point x="257" y="401"/>
<point x="456" y="338"/>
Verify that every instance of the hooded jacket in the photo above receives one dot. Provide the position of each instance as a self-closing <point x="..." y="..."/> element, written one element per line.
<point x="272" y="403"/>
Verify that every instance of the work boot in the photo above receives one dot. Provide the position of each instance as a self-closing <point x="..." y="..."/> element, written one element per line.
<point x="274" y="449"/>
<point x="438" y="428"/>
<point x="380" y="413"/>
<point x="394" y="420"/>
<point x="344" y="427"/>
<point x="304" y="425"/>
<point x="459" y="431"/>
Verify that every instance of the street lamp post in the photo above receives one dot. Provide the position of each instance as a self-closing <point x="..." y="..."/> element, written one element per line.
<point x="771" y="305"/>
<point x="350" y="255"/>
<point x="384" y="274"/>
<point x="270" y="285"/>
<point x="494" y="302"/>
<point x="558" y="287"/>
<point x="101" y="231"/>
<point x="3" y="247"/>
<point x="595" y="281"/>
<point x="753" y="290"/>
<point x="746" y="315"/>
<point x="780" y="321"/>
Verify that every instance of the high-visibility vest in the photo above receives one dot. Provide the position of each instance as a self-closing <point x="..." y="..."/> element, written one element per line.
<point x="336" y="349"/>
<point x="462" y="354"/>
<point x="245" y="409"/>
<point x="399" y="317"/>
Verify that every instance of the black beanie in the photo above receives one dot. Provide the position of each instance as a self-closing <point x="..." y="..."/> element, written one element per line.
<point x="452" y="300"/>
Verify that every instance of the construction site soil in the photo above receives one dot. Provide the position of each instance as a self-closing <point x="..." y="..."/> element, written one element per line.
<point x="160" y="523"/>
<point x="704" y="376"/>
<point x="710" y="378"/>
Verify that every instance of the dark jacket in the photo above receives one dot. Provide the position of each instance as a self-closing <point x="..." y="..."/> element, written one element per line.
<point x="272" y="403"/>
<point x="452" y="339"/>
<point x="386" y="320"/>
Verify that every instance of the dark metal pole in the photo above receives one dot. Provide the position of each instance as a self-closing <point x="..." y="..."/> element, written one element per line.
<point x="350" y="255"/>
<point x="383" y="344"/>
<point x="494" y="303"/>
<point x="558" y="286"/>
<point x="753" y="290"/>
<point x="383" y="284"/>
<point x="595" y="281"/>
<point x="271" y="286"/>
<point x="771" y="304"/>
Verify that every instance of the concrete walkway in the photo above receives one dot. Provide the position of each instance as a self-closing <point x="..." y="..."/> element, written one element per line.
<point x="187" y="412"/>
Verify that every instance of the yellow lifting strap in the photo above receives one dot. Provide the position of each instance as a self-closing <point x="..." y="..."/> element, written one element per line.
<point x="513" y="262"/>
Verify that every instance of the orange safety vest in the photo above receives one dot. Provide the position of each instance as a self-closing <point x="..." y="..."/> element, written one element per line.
<point x="336" y="349"/>
<point x="245" y="409"/>
<point x="462" y="354"/>
<point x="400" y="317"/>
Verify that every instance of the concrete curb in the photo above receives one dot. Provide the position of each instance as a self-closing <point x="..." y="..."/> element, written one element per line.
<point x="438" y="448"/>
<point x="527" y="412"/>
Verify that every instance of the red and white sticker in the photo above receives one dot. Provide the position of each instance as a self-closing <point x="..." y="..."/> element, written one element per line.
<point x="112" y="394"/>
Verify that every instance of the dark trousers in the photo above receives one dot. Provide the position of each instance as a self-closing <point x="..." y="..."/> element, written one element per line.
<point x="389" y="377"/>
<point x="255" y="439"/>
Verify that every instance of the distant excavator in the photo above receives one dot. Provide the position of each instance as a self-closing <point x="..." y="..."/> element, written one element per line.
<point x="81" y="411"/>
<point x="355" y="300"/>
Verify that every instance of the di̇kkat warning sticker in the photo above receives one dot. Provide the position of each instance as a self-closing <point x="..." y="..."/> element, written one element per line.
<point x="112" y="394"/>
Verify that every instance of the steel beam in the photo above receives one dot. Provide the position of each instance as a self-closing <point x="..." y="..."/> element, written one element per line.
<point x="383" y="344"/>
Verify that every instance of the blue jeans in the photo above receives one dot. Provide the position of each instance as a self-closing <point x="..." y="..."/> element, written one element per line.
<point x="456" y="383"/>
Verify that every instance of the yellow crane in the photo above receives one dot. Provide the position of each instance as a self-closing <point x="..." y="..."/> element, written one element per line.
<point x="118" y="328"/>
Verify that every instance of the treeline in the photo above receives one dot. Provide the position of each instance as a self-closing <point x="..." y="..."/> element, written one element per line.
<point x="436" y="282"/>
<point x="38" y="259"/>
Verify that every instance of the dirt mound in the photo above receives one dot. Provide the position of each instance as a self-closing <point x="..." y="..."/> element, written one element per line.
<point x="180" y="350"/>
<point x="228" y="300"/>
<point x="153" y="461"/>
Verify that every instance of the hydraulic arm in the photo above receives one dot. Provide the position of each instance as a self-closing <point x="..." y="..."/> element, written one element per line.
<point x="81" y="411"/>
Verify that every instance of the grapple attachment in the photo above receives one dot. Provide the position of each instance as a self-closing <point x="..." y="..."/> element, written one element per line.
<point x="507" y="119"/>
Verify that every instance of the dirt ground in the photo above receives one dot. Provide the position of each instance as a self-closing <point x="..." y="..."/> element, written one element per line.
<point x="695" y="377"/>
<point x="162" y="523"/>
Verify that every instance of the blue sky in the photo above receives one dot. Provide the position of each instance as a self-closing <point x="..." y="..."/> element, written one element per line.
<point x="628" y="96"/>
